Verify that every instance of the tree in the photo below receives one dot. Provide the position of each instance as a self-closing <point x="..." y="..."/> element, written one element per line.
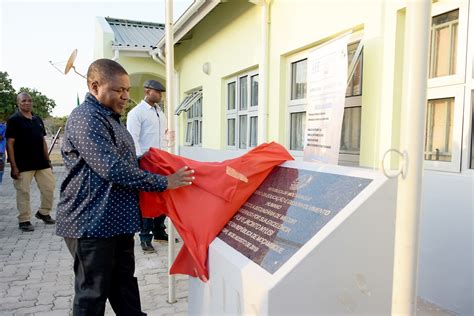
<point x="128" y="107"/>
<point x="53" y="123"/>
<point x="7" y="97"/>
<point x="42" y="105"/>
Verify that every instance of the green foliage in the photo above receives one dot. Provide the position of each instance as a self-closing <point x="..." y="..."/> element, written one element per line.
<point x="42" y="105"/>
<point x="7" y="97"/>
<point x="52" y="124"/>
<point x="128" y="107"/>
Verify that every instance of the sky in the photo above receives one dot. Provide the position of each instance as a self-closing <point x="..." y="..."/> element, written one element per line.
<point x="34" y="32"/>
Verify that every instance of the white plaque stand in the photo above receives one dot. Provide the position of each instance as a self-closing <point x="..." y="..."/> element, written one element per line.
<point x="345" y="268"/>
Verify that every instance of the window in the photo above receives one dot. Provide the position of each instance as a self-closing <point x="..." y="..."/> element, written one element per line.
<point x="448" y="89"/>
<point x="231" y="132"/>
<point x="297" y="123"/>
<point x="242" y="111"/>
<point x="253" y="130"/>
<point x="351" y="126"/>
<point x="298" y="79"/>
<point x="254" y="90"/>
<point x="443" y="128"/>
<point x="192" y="105"/>
<point x="350" y="136"/>
<point x="354" y="88"/>
<point x="231" y="96"/>
<point x="444" y="38"/>
<point x="439" y="129"/>
<point x="448" y="43"/>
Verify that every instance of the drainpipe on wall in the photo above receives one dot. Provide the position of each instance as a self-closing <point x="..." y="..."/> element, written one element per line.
<point x="116" y="55"/>
<point x="264" y="72"/>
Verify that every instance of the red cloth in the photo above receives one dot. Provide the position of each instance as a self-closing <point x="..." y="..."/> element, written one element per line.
<point x="201" y="210"/>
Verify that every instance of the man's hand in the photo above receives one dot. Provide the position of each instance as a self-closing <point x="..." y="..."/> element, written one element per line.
<point x="180" y="178"/>
<point x="15" y="173"/>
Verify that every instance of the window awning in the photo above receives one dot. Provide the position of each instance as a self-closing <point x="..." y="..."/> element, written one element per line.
<point x="188" y="102"/>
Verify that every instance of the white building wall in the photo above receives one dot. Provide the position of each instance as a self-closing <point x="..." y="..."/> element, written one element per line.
<point x="446" y="241"/>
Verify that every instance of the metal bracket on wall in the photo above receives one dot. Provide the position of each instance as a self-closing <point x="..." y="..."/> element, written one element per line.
<point x="403" y="166"/>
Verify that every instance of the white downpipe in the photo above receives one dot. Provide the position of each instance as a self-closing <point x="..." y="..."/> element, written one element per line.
<point x="170" y="101"/>
<point x="418" y="20"/>
<point x="160" y="54"/>
<point x="264" y="72"/>
<point x="116" y="55"/>
<point x="176" y="118"/>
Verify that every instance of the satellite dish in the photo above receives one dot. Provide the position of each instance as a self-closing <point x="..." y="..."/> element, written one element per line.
<point x="69" y="64"/>
<point x="70" y="61"/>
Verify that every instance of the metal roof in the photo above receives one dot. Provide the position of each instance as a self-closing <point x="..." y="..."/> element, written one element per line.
<point x="135" y="34"/>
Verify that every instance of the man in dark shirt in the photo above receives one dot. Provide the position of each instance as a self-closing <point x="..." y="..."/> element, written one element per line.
<point x="3" y="145"/>
<point x="98" y="211"/>
<point x="29" y="158"/>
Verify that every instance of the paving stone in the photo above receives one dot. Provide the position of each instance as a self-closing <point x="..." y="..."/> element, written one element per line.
<point x="16" y="305"/>
<point x="15" y="290"/>
<point x="29" y="294"/>
<point x="36" y="267"/>
<point x="56" y="312"/>
<point x="45" y="298"/>
<point x="62" y="302"/>
<point x="33" y="310"/>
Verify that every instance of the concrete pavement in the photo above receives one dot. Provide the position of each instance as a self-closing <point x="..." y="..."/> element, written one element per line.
<point x="36" y="276"/>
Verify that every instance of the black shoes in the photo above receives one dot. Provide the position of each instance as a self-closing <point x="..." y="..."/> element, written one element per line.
<point x="147" y="246"/>
<point x="26" y="227"/>
<point x="163" y="237"/>
<point x="45" y="218"/>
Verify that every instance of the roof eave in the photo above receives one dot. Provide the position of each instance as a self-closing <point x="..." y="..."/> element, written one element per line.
<point x="190" y="18"/>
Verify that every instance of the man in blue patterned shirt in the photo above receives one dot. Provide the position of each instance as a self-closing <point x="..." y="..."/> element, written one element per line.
<point x="98" y="211"/>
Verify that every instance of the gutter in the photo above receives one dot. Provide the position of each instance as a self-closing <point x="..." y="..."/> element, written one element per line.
<point x="158" y="56"/>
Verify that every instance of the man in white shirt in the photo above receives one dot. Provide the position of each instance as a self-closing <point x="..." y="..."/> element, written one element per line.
<point x="148" y="125"/>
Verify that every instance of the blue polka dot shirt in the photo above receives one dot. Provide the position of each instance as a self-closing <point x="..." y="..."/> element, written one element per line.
<point x="99" y="196"/>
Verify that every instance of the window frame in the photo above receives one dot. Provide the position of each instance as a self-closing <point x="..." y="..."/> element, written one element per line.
<point x="193" y="121"/>
<point x="299" y="105"/>
<point x="440" y="8"/>
<point x="456" y="92"/>
<point x="251" y="111"/>
<point x="469" y="114"/>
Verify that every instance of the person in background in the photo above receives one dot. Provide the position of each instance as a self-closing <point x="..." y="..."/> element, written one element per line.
<point x="28" y="156"/>
<point x="98" y="212"/>
<point x="3" y="142"/>
<point x="148" y="126"/>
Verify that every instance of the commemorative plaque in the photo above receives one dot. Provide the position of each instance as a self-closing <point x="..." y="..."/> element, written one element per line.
<point x="286" y="211"/>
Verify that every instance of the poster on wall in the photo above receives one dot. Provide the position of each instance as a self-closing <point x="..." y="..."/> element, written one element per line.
<point x="327" y="83"/>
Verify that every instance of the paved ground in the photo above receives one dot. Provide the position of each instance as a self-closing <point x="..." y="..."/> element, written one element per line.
<point x="36" y="276"/>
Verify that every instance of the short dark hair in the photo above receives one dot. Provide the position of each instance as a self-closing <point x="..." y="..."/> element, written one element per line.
<point x="104" y="68"/>
<point x="21" y="94"/>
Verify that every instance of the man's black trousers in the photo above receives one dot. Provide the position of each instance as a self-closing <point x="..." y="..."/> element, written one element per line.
<point x="104" y="269"/>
